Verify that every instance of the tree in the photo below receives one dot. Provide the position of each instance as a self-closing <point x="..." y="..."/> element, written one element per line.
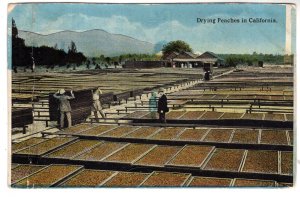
<point x="20" y="53"/>
<point x="72" y="48"/>
<point x="176" y="46"/>
<point x="14" y="29"/>
<point x="73" y="56"/>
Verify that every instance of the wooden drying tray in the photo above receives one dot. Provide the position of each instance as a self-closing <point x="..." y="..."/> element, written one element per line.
<point x="129" y="137"/>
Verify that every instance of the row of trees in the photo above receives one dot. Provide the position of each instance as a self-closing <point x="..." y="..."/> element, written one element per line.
<point x="26" y="56"/>
<point x="252" y="59"/>
<point x="231" y="59"/>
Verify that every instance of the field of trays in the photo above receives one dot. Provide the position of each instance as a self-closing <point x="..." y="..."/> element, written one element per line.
<point x="236" y="130"/>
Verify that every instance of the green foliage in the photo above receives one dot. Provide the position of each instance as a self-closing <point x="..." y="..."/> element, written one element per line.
<point x="251" y="59"/>
<point x="125" y="57"/>
<point x="176" y="46"/>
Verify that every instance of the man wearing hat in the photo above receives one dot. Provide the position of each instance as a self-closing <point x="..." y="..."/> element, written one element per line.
<point x="64" y="106"/>
<point x="162" y="105"/>
<point x="97" y="104"/>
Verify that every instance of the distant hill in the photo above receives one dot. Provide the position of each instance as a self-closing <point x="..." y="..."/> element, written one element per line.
<point x="92" y="43"/>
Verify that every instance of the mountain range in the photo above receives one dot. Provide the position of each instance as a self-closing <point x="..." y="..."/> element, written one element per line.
<point x="91" y="43"/>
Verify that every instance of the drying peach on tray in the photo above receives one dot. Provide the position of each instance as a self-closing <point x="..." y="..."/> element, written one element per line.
<point x="71" y="150"/>
<point x="191" y="156"/>
<point x="24" y="170"/>
<point x="192" y="134"/>
<point x="98" y="130"/>
<point x="126" y="179"/>
<point x="275" y="137"/>
<point x="88" y="178"/>
<point x="261" y="161"/>
<point x="245" y="136"/>
<point x="158" y="156"/>
<point x="167" y="133"/>
<point x="209" y="182"/>
<point x="130" y="153"/>
<point x="46" y="146"/>
<point x="225" y="160"/>
<point x="143" y="132"/>
<point x="218" y="135"/>
<point x="119" y="131"/>
<point x="101" y="151"/>
<point x="48" y="176"/>
<point x="166" y="179"/>
<point x="253" y="183"/>
<point x="287" y="163"/>
<point x="26" y="143"/>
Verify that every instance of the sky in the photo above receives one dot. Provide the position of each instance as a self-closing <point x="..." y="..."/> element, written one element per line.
<point x="163" y="23"/>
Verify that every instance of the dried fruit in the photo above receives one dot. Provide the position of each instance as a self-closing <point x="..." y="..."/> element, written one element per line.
<point x="273" y="137"/>
<point x="274" y="117"/>
<point x="101" y="151"/>
<point x="191" y="156"/>
<point x="77" y="128"/>
<point x="46" y="146"/>
<point x="166" y="179"/>
<point x="143" y="132"/>
<point x="287" y="163"/>
<point x="253" y="116"/>
<point x="48" y="176"/>
<point x="167" y="134"/>
<point x="129" y="153"/>
<point x="218" y="135"/>
<point x="118" y="132"/>
<point x="225" y="160"/>
<point x="26" y="143"/>
<point x="234" y="116"/>
<point x="209" y="182"/>
<point x="76" y="148"/>
<point x="245" y="136"/>
<point x="22" y="171"/>
<point x="159" y="156"/>
<point x="192" y="134"/>
<point x="88" y="178"/>
<point x="211" y="115"/>
<point x="126" y="179"/>
<point x="174" y="115"/>
<point x="253" y="183"/>
<point x="261" y="161"/>
<point x="98" y="130"/>
<point x="192" y="115"/>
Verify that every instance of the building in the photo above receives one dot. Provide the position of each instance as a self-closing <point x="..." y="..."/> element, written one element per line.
<point x="189" y="60"/>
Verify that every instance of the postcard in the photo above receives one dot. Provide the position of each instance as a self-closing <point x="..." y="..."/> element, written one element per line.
<point x="151" y="95"/>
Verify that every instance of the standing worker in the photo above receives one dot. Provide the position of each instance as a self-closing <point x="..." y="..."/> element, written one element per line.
<point x="162" y="106"/>
<point x="206" y="76"/>
<point x="64" y="106"/>
<point x="153" y="105"/>
<point x="97" y="104"/>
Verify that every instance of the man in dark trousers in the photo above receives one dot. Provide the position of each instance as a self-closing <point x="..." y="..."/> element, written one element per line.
<point x="64" y="106"/>
<point x="162" y="106"/>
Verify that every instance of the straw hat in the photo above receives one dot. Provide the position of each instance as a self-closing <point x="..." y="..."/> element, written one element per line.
<point x="61" y="91"/>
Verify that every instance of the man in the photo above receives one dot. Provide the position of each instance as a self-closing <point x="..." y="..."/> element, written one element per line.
<point x="206" y="76"/>
<point x="153" y="105"/>
<point x="64" y="106"/>
<point x="162" y="106"/>
<point x="97" y="104"/>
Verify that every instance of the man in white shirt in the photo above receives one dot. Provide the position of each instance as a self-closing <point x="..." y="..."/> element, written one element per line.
<point x="97" y="104"/>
